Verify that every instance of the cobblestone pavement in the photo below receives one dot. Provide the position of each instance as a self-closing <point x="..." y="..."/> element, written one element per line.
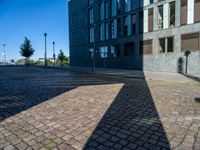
<point x="49" y="109"/>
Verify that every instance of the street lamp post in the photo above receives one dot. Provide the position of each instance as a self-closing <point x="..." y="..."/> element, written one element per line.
<point x="45" y="54"/>
<point x="94" y="53"/>
<point x="4" y="49"/>
<point x="54" y="55"/>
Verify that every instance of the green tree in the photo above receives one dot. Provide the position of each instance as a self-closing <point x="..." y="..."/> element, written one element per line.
<point x="26" y="49"/>
<point x="61" y="58"/>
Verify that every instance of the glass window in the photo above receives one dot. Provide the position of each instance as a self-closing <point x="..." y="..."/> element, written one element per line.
<point x="91" y="35"/>
<point x="166" y="15"/>
<point x="166" y="45"/>
<point x="91" y="51"/>
<point x="102" y="11"/>
<point x="102" y="32"/>
<point x="160" y="17"/>
<point x="107" y="30"/>
<point x="114" y="29"/>
<point x="127" y="5"/>
<point x="107" y="10"/>
<point x="127" y="25"/>
<point x="118" y="27"/>
<point x="162" y="45"/>
<point x="170" y="44"/>
<point x="91" y="15"/>
<point x="90" y="2"/>
<point x="115" y="51"/>
<point x="116" y="7"/>
<point x="172" y="14"/>
<point x="133" y="4"/>
<point x="103" y="52"/>
<point x="133" y="20"/>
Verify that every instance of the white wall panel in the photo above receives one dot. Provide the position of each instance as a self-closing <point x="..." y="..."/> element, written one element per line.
<point x="166" y="16"/>
<point x="190" y="12"/>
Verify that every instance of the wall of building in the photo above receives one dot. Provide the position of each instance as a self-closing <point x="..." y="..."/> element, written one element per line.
<point x="169" y="62"/>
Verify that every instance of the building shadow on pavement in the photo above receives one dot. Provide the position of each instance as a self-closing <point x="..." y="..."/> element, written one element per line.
<point x="24" y="87"/>
<point x="132" y="120"/>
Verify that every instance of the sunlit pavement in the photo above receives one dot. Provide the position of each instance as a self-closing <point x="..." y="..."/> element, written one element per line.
<point x="48" y="109"/>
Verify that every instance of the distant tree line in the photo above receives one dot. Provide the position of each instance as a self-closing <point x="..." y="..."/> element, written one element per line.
<point x="41" y="62"/>
<point x="27" y="51"/>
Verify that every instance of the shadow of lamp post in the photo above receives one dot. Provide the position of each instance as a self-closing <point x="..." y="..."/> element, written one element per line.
<point x="187" y="53"/>
<point x="45" y="54"/>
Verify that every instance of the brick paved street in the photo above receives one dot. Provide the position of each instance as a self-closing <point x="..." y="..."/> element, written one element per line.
<point x="49" y="109"/>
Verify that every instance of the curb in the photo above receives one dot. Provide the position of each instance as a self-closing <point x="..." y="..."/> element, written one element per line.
<point x="96" y="73"/>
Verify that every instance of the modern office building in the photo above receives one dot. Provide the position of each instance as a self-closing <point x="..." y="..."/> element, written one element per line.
<point x="135" y="34"/>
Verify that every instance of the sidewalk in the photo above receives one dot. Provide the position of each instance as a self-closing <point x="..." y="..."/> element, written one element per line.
<point x="159" y="76"/>
<point x="148" y="75"/>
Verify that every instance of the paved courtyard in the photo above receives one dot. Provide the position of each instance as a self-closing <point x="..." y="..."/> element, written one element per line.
<point x="50" y="109"/>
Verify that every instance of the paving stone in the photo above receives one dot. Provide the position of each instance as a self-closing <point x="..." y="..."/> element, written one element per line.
<point x="121" y="135"/>
<point x="15" y="141"/>
<point x="118" y="146"/>
<point x="131" y="146"/>
<point x="141" y="148"/>
<point x="114" y="139"/>
<point x="10" y="147"/>
<point x="67" y="137"/>
<point x="21" y="146"/>
<point x="41" y="107"/>
<point x="123" y="142"/>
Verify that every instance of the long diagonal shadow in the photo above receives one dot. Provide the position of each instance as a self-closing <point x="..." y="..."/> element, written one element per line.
<point x="131" y="122"/>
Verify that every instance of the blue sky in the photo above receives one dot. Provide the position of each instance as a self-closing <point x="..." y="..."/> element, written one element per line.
<point x="31" y="18"/>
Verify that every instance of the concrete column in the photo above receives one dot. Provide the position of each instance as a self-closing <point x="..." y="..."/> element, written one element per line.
<point x="155" y="26"/>
<point x="155" y="44"/>
<point x="178" y="12"/>
<point x="177" y="43"/>
<point x="155" y="17"/>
